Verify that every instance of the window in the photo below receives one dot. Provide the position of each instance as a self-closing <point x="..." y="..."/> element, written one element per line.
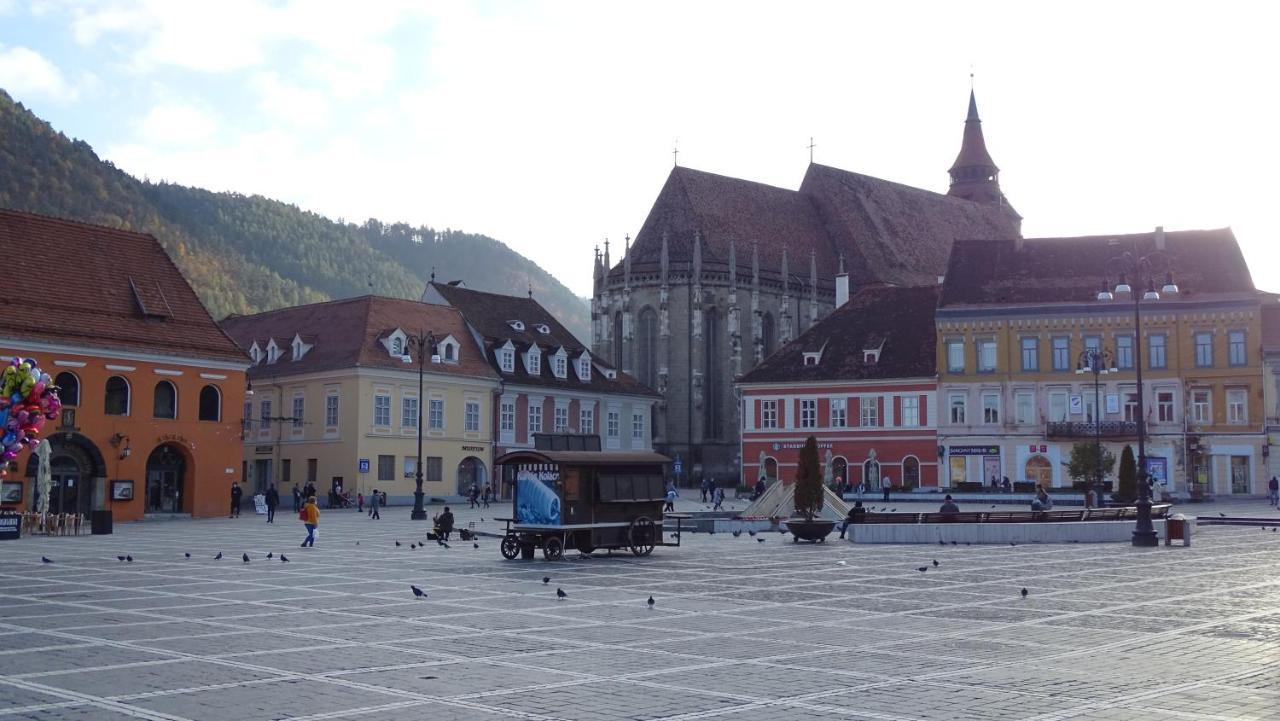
<point x="1058" y="407"/>
<point x="1164" y="406"/>
<point x="990" y="408"/>
<point x="1093" y="343"/>
<point x="1237" y="410"/>
<point x="839" y="412"/>
<point x="535" y="417"/>
<point x="1204" y="349"/>
<point x="584" y="368"/>
<point x="956" y="404"/>
<point x="382" y="410"/>
<point x="808" y="413"/>
<point x="1201" y="409"/>
<point x="117" y="397"/>
<point x="533" y="361"/>
<point x="587" y="420"/>
<point x="386" y="468"/>
<point x="210" y="404"/>
<point x="397" y="346"/>
<point x="299" y="408"/>
<point x="331" y="410"/>
<point x="410" y="467"/>
<point x="768" y="414"/>
<point x="955" y="356"/>
<point x="1024" y="407"/>
<point x="450" y="355"/>
<point x="1030" y="354"/>
<point x="1236" y="355"/>
<point x="1156" y="351"/>
<point x="562" y="367"/>
<point x="435" y="414"/>
<point x="986" y="356"/>
<point x="507" y="359"/>
<point x="507" y="416"/>
<point x="68" y="388"/>
<point x="1061" y="354"/>
<point x="165" y="399"/>
<point x="433" y="471"/>
<point x="1124" y="352"/>
<point x="264" y="415"/>
<point x="612" y="427"/>
<point x="910" y="411"/>
<point x="1131" y="406"/>
<point x="869" y="412"/>
<point x="637" y="426"/>
<point x="409" y="411"/>
<point x="471" y="417"/>
<point x="313" y="472"/>
<point x="560" y="418"/>
<point x="246" y="423"/>
<point x="286" y="471"/>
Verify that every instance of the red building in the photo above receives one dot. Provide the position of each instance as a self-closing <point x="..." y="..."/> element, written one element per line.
<point x="863" y="382"/>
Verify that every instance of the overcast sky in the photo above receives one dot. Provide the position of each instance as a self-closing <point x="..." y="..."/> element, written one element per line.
<point x="551" y="125"/>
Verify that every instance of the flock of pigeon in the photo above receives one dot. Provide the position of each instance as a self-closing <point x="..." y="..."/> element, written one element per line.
<point x="546" y="580"/>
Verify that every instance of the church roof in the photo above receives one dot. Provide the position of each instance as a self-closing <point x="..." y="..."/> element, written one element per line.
<point x="897" y="321"/>
<point x="1206" y="265"/>
<point x="973" y="148"/>
<point x="887" y="232"/>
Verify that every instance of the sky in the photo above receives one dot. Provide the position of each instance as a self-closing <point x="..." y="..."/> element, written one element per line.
<point x="551" y="125"/>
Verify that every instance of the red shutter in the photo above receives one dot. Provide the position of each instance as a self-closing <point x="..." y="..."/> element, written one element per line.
<point x="824" y="412"/>
<point x="897" y="411"/>
<point x="855" y="411"/>
<point x="924" y="410"/>
<point x="880" y="409"/>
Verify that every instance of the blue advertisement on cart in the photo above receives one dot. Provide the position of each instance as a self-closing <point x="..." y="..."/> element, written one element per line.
<point x="537" y="498"/>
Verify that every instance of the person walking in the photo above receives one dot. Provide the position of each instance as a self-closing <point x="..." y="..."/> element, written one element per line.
<point x="297" y="498"/>
<point x="375" y="501"/>
<point x="473" y="495"/>
<point x="273" y="500"/>
<point x="886" y="485"/>
<point x="703" y="484"/>
<point x="671" y="500"/>
<point x="1273" y="491"/>
<point x="488" y="493"/>
<point x="360" y="502"/>
<point x="310" y="516"/>
<point x="719" y="498"/>
<point x="236" y="495"/>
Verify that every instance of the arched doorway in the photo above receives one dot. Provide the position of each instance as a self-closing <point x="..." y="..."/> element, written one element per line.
<point x="771" y="468"/>
<point x="471" y="472"/>
<point x="910" y="472"/>
<point x="166" y="477"/>
<point x="76" y="469"/>
<point x="840" y="470"/>
<point x="1040" y="471"/>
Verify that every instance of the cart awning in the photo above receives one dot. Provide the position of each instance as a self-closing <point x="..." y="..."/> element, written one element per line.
<point x="582" y="458"/>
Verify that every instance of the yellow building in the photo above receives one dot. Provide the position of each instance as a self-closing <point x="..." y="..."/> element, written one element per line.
<point x="335" y="399"/>
<point x="1013" y="326"/>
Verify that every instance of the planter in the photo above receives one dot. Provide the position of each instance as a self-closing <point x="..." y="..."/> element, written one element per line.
<point x="815" y="531"/>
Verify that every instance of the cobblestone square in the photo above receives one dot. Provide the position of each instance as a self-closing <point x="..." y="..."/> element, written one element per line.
<point x="740" y="630"/>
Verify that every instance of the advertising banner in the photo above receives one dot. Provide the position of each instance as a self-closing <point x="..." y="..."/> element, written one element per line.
<point x="537" y="495"/>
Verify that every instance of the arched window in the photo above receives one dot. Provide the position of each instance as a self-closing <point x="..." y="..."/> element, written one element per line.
<point x="117" y="397"/>
<point x="910" y="472"/>
<point x="768" y="334"/>
<point x="617" y="341"/>
<point x="397" y="346"/>
<point x="647" y="347"/>
<point x="210" y="404"/>
<point x="1040" y="471"/>
<point x="448" y="352"/>
<point x="166" y="401"/>
<point x="68" y="388"/>
<point x="713" y="358"/>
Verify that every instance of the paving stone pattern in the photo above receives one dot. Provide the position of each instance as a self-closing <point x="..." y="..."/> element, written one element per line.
<point x="741" y="630"/>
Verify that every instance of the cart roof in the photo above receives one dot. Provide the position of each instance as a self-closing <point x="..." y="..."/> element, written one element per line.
<point x="582" y="458"/>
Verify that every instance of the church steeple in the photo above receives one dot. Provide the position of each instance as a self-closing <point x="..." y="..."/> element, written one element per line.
<point x="974" y="175"/>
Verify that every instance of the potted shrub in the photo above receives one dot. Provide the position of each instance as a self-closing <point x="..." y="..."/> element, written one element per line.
<point x="808" y="498"/>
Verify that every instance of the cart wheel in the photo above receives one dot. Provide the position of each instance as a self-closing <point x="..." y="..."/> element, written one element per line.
<point x="553" y="548"/>
<point x="510" y="546"/>
<point x="642" y="535"/>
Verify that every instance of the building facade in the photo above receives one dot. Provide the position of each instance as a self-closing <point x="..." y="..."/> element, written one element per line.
<point x="725" y="271"/>
<point x="150" y="385"/>
<point x="335" y="399"/>
<point x="1013" y="326"/>
<point x="550" y="381"/>
<point x="862" y="382"/>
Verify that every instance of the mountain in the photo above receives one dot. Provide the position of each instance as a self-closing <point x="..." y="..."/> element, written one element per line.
<point x="246" y="254"/>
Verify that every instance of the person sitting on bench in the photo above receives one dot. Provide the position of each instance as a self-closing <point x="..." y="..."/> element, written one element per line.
<point x="1041" y="502"/>
<point x="444" y="524"/>
<point x="856" y="515"/>
<point x="949" y="506"/>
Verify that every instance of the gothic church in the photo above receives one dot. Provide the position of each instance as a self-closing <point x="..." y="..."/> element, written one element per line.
<point x="724" y="271"/>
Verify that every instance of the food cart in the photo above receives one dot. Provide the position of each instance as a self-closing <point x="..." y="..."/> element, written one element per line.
<point x="569" y="494"/>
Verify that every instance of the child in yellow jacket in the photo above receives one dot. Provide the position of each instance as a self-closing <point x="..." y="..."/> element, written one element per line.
<point x="310" y="515"/>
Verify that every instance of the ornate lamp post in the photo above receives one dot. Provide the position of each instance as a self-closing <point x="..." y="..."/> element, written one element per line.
<point x="425" y="345"/>
<point x="1140" y="268"/>
<point x="1098" y="362"/>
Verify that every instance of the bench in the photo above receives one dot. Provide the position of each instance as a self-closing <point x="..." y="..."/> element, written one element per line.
<point x="1088" y="514"/>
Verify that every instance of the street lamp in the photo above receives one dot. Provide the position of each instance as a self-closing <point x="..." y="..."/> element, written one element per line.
<point x="1139" y="267"/>
<point x="1098" y="362"/>
<point x="425" y="344"/>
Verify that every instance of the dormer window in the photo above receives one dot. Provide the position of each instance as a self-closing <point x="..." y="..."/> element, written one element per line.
<point x="255" y="353"/>
<point x="542" y="328"/>
<point x="870" y="357"/>
<point x="299" y="347"/>
<point x="584" y="368"/>
<point x="448" y="349"/>
<point x="533" y="361"/>
<point x="397" y="346"/>
<point x="811" y="359"/>
<point x="562" y="366"/>
<point x="516" y="325"/>
<point x="507" y="358"/>
<point x="273" y="351"/>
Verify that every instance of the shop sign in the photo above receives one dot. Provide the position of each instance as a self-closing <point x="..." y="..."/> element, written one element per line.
<point x="974" y="450"/>
<point x="798" y="446"/>
<point x="9" y="528"/>
<point x="477" y="449"/>
<point x="262" y="450"/>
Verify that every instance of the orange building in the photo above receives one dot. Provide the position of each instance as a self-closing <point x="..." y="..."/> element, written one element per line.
<point x="150" y="385"/>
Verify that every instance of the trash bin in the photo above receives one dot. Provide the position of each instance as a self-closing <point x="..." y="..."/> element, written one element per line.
<point x="1177" y="528"/>
<point x="100" y="523"/>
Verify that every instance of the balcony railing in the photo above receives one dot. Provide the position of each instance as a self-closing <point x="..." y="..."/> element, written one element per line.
<point x="1107" y="429"/>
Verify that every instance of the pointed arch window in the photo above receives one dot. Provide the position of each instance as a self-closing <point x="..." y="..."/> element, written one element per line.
<point x="647" y="348"/>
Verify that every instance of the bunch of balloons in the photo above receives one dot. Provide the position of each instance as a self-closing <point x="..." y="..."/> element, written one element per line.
<point x="28" y="398"/>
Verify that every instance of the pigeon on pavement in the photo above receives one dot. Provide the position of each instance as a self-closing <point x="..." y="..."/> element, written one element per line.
<point x="271" y="555"/>
<point x="935" y="563"/>
<point x="760" y="540"/>
<point x="1024" y="593"/>
<point x="45" y="559"/>
<point x="418" y="592"/>
<point x="244" y="557"/>
<point x="546" y="580"/>
<point x="475" y="545"/>
<point x="121" y="558"/>
<point x="218" y="557"/>
<point x="922" y="569"/>
<point x="560" y="594"/>
<point x="397" y="544"/>
<point x="737" y="533"/>
<point x="650" y="602"/>
<point x="283" y="559"/>
<point x="129" y="559"/>
<point x="187" y="554"/>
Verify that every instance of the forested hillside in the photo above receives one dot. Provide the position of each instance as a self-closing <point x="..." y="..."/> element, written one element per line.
<point x="245" y="254"/>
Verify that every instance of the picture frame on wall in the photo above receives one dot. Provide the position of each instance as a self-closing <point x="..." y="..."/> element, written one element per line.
<point x="122" y="490"/>
<point x="11" y="492"/>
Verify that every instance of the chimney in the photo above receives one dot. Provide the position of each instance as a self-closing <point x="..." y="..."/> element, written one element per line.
<point x="1159" y="237"/>
<point x="842" y="284"/>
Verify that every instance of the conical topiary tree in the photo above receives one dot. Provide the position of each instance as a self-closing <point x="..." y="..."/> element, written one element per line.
<point x="808" y="493"/>
<point x="1128" y="477"/>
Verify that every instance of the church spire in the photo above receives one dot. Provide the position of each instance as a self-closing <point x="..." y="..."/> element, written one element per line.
<point x="974" y="175"/>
